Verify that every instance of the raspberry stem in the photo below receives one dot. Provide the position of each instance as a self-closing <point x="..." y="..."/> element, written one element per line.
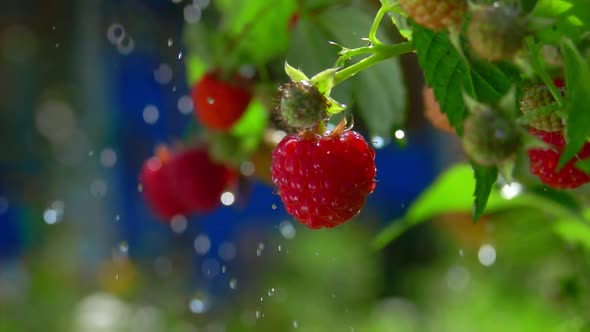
<point x="378" y="50"/>
<point x="376" y="22"/>
<point x="379" y="53"/>
<point x="535" y="58"/>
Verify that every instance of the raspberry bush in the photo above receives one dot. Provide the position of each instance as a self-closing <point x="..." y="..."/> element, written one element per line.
<point x="494" y="70"/>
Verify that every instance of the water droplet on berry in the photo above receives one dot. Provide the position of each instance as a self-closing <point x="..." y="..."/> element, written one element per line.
<point x="210" y="101"/>
<point x="274" y="206"/>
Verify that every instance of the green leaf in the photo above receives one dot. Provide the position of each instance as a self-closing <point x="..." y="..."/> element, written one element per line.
<point x="380" y="93"/>
<point x="195" y="68"/>
<point x="569" y="17"/>
<point x="490" y="83"/>
<point x="311" y="52"/>
<point x="584" y="165"/>
<point x="577" y="77"/>
<point x="401" y="22"/>
<point x="452" y="192"/>
<point x="257" y="29"/>
<point x="574" y="231"/>
<point x="251" y="125"/>
<point x="445" y="71"/>
<point x="485" y="178"/>
<point x="235" y="147"/>
<point x="202" y="42"/>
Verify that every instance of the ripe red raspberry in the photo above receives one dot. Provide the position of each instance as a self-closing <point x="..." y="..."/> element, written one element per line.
<point x="155" y="179"/>
<point x="543" y="162"/>
<point x="435" y="14"/>
<point x="324" y="180"/>
<point x="219" y="104"/>
<point x="198" y="181"/>
<point x="184" y="183"/>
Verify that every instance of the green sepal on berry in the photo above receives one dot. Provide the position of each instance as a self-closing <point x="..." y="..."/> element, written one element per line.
<point x="304" y="102"/>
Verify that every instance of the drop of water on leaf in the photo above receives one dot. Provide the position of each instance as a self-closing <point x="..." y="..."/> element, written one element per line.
<point x="295" y="324"/>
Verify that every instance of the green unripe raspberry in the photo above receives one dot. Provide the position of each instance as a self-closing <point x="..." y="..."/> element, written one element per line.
<point x="489" y="137"/>
<point x="302" y="104"/>
<point x="435" y="14"/>
<point x="496" y="32"/>
<point x="535" y="98"/>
